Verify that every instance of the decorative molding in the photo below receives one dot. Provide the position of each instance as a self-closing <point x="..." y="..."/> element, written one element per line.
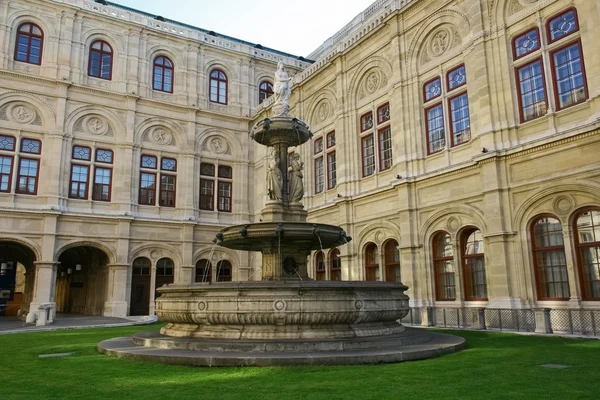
<point x="159" y="135"/>
<point x="216" y="144"/>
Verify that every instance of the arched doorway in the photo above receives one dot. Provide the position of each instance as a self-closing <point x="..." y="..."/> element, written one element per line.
<point x="17" y="277"/>
<point x="164" y="273"/>
<point x="81" y="280"/>
<point x="140" y="287"/>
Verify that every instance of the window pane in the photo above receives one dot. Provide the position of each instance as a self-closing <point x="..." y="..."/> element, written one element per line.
<point x="81" y="153"/>
<point x="206" y="194"/>
<point x="31" y="146"/>
<point x="562" y="25"/>
<point x="225" y="172"/>
<point x="318" y="146"/>
<point x="368" y="154"/>
<point x="105" y="156"/>
<point x="331" y="139"/>
<point x="435" y="129"/>
<point x="433" y="89"/>
<point x="167" y="190"/>
<point x="149" y="162"/>
<point x="319" y="175"/>
<point x="383" y="113"/>
<point x="224" y="201"/>
<point x="168" y="164"/>
<point x="459" y="118"/>
<point x="527" y="43"/>
<point x="569" y="74"/>
<point x="385" y="149"/>
<point x="102" y="180"/>
<point x="532" y="91"/>
<point x="147" y="188"/>
<point x="5" y="173"/>
<point x="457" y="77"/>
<point x="366" y="122"/>
<point x="207" y="169"/>
<point x="7" y="143"/>
<point x="331" y="170"/>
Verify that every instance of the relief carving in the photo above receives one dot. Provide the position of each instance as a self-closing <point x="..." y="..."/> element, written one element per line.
<point x="514" y="7"/>
<point x="20" y="113"/>
<point x="160" y="136"/>
<point x="440" y="42"/>
<point x="94" y="125"/>
<point x="216" y="145"/>
<point x="373" y="81"/>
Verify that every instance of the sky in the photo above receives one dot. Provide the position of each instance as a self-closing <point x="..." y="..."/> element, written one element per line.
<point x="297" y="28"/>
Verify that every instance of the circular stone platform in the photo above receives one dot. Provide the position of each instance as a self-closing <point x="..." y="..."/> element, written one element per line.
<point x="412" y="344"/>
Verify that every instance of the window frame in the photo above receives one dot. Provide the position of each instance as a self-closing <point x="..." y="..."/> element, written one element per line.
<point x="212" y="196"/>
<point x="218" y="80"/>
<point x="10" y="173"/>
<point x="162" y="191"/>
<point x="586" y="294"/>
<point x="153" y="190"/>
<point x="450" y="120"/>
<point x="448" y="89"/>
<point x="320" y="273"/>
<point x="87" y="181"/>
<point x="319" y="160"/>
<point x="219" y="197"/>
<point x="268" y="92"/>
<point x="163" y="68"/>
<point x="30" y="152"/>
<point x="554" y="78"/>
<point x="466" y="269"/>
<point x="438" y="104"/>
<point x="331" y="172"/>
<point x="102" y="52"/>
<point x="389" y="262"/>
<point x="335" y="265"/>
<point x="381" y="150"/>
<point x="207" y="266"/>
<point x="30" y="35"/>
<point x="103" y="167"/>
<point x="558" y="15"/>
<point x="441" y="287"/>
<point x="518" y="85"/>
<point x="425" y="99"/>
<point x="37" y="176"/>
<point x="541" y="295"/>
<point x="363" y="159"/>
<point x="518" y="35"/>
<point x="372" y="270"/>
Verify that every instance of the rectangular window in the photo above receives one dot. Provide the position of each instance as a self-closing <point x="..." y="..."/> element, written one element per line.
<point x="526" y="43"/>
<point x="147" y="188"/>
<point x="104" y="156"/>
<point x="330" y="139"/>
<point x="318" y="145"/>
<point x="385" y="149"/>
<point x="168" y="164"/>
<point x="456" y="77"/>
<point x="224" y="200"/>
<point x="5" y="173"/>
<point x="7" y="143"/>
<point x="432" y="89"/>
<point x="459" y="119"/>
<point x="79" y="181"/>
<point x="331" y="170"/>
<point x="149" y="162"/>
<point x="532" y="91"/>
<point x="383" y="113"/>
<point x="207" y="169"/>
<point x="562" y="25"/>
<point x="102" y="183"/>
<point x="366" y="122"/>
<point x="368" y="155"/>
<point x="225" y="172"/>
<point x="167" y="190"/>
<point x="206" y="194"/>
<point x="82" y="153"/>
<point x="569" y="78"/>
<point x="27" y="176"/>
<point x="319" y="175"/>
<point x="434" y="117"/>
<point x="31" y="146"/>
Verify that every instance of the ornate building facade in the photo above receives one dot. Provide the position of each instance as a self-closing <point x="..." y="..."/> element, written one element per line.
<point x="456" y="141"/>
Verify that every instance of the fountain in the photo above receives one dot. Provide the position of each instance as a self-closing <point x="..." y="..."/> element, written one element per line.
<point x="286" y="318"/>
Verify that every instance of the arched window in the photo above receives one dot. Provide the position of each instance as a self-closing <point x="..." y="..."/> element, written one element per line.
<point x="30" y="40"/>
<point x="265" y="90"/>
<point x="391" y="254"/>
<point x="140" y="287"/>
<point x="164" y="273"/>
<point x="335" y="265"/>
<point x="587" y="240"/>
<point x="141" y="267"/>
<point x="443" y="266"/>
<point x="100" y="64"/>
<point x="320" y="266"/>
<point x="549" y="259"/>
<point x="218" y="87"/>
<point x="203" y="271"/>
<point x="224" y="271"/>
<point x="474" y="265"/>
<point x="163" y="74"/>
<point x="372" y="262"/>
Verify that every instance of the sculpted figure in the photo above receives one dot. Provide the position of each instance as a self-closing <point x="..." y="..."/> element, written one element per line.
<point x="282" y="89"/>
<point x="274" y="177"/>
<point x="296" y="185"/>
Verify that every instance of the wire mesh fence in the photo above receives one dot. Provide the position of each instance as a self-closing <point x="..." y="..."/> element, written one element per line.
<point x="506" y="319"/>
<point x="413" y="317"/>
<point x="581" y="322"/>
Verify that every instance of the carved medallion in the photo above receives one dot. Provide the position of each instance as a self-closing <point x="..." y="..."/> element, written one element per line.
<point x="563" y="205"/>
<point x="279" y="305"/>
<point x="21" y="113"/>
<point x="202" y="305"/>
<point x="440" y="42"/>
<point x="218" y="145"/>
<point x="359" y="304"/>
<point x="323" y="111"/>
<point x="160" y="136"/>
<point x="95" y="125"/>
<point x="372" y="83"/>
<point x="453" y="224"/>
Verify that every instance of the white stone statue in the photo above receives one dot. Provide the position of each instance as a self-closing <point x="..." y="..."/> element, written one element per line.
<point x="282" y="90"/>
<point x="296" y="185"/>
<point x="274" y="177"/>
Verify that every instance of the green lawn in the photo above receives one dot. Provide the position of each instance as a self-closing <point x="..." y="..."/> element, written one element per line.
<point x="493" y="366"/>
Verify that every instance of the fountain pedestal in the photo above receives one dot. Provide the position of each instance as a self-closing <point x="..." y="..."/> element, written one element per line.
<point x="286" y="318"/>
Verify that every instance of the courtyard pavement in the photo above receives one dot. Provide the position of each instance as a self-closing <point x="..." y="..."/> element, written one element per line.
<point x="71" y="321"/>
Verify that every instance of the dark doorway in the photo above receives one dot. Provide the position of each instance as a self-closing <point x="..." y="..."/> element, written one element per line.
<point x="17" y="274"/>
<point x="164" y="273"/>
<point x="140" y="287"/>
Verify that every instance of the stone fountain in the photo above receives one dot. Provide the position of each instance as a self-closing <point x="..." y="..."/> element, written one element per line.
<point x="286" y="318"/>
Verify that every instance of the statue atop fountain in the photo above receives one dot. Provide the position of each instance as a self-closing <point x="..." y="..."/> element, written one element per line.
<point x="282" y="90"/>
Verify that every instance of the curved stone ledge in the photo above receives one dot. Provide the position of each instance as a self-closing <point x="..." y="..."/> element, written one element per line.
<point x="282" y="310"/>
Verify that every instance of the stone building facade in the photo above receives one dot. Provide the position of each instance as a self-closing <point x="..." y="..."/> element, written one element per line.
<point x="456" y="141"/>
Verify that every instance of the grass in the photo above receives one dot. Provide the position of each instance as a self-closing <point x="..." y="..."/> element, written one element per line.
<point x="493" y="366"/>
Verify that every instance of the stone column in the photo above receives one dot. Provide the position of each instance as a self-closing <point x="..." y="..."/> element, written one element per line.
<point x="186" y="274"/>
<point x="427" y="316"/>
<point x="42" y="309"/>
<point x="542" y="320"/>
<point x="116" y="302"/>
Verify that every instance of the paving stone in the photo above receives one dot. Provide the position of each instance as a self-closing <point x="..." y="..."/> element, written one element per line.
<point x="55" y="355"/>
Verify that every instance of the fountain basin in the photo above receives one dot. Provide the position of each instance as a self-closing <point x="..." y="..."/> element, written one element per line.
<point x="281" y="129"/>
<point x="282" y="309"/>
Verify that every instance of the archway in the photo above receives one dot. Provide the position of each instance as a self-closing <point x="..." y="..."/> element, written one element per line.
<point x="140" y="287"/>
<point x="17" y="277"/>
<point x="81" y="281"/>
